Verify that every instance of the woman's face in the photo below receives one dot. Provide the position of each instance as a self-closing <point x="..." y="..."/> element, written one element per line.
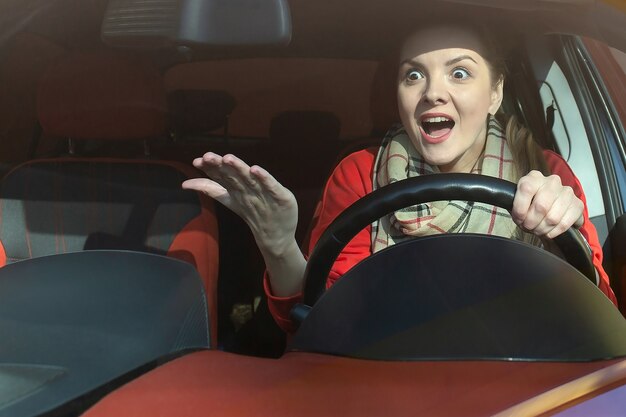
<point x="445" y="94"/>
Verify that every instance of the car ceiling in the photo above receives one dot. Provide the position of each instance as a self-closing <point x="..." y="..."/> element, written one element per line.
<point x="379" y="23"/>
<point x="346" y="28"/>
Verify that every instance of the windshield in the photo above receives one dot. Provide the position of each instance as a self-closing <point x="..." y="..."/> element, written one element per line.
<point x="297" y="110"/>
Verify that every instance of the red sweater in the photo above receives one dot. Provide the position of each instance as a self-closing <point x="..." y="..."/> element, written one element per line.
<point x="352" y="179"/>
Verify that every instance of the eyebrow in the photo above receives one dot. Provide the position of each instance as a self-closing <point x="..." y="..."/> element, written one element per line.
<point x="448" y="63"/>
<point x="459" y="59"/>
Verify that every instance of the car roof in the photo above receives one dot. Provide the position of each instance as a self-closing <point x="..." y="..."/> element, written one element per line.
<point x="347" y="28"/>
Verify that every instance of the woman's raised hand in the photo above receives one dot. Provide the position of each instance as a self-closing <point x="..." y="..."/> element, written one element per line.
<point x="269" y="209"/>
<point x="545" y="207"/>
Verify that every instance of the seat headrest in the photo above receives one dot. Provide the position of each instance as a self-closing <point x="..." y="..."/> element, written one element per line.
<point x="102" y="96"/>
<point x="305" y="127"/>
<point x="199" y="111"/>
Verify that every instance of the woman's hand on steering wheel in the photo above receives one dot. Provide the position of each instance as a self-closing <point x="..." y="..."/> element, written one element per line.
<point x="545" y="207"/>
<point x="417" y="190"/>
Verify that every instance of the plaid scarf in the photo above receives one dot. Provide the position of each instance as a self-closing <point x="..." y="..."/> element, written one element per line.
<point x="398" y="159"/>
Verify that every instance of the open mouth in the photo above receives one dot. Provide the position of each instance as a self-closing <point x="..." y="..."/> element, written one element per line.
<point x="437" y="126"/>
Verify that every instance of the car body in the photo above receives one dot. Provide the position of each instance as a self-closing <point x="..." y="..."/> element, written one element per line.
<point x="118" y="331"/>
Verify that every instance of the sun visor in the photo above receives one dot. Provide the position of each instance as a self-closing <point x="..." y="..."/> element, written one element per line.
<point x="143" y="24"/>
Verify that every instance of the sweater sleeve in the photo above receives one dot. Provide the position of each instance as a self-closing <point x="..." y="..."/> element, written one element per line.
<point x="350" y="181"/>
<point x="559" y="167"/>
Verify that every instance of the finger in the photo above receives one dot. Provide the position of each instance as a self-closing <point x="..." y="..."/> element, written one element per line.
<point x="544" y="203"/>
<point x="210" y="163"/>
<point x="527" y="187"/>
<point x="227" y="170"/>
<point x="236" y="173"/>
<point x="271" y="185"/>
<point x="263" y="177"/>
<point x="572" y="214"/>
<point x="209" y="188"/>
<point x="555" y="218"/>
<point x="539" y="208"/>
<point x="560" y="215"/>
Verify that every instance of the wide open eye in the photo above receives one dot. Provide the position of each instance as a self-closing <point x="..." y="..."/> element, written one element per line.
<point x="414" y="75"/>
<point x="460" y="74"/>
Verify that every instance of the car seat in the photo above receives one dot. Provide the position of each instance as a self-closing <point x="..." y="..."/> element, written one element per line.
<point x="383" y="115"/>
<point x="303" y="147"/>
<point x="200" y="111"/>
<point x="72" y="203"/>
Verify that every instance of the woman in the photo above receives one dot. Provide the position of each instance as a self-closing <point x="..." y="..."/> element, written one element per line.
<point x="449" y="88"/>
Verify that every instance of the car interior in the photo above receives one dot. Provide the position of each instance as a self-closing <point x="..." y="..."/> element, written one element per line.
<point x="96" y="139"/>
<point x="76" y="200"/>
<point x="105" y="103"/>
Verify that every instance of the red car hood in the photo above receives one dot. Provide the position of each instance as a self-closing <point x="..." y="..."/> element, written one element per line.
<point x="305" y="384"/>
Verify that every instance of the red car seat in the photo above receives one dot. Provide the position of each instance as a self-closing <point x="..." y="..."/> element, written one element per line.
<point x="73" y="203"/>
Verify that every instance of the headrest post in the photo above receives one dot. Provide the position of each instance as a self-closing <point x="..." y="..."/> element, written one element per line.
<point x="128" y="91"/>
<point x="146" y="148"/>
<point x="71" y="146"/>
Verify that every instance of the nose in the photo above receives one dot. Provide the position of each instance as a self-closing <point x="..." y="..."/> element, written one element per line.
<point x="435" y="91"/>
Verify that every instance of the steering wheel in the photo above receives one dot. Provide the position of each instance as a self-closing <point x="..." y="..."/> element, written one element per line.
<point x="467" y="187"/>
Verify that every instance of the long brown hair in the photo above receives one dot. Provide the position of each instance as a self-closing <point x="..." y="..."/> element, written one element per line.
<point x="527" y="154"/>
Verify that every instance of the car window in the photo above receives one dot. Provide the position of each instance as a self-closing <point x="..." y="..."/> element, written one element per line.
<point x="609" y="65"/>
<point x="563" y="116"/>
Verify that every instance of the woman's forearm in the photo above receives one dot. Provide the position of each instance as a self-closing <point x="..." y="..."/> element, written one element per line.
<point x="285" y="270"/>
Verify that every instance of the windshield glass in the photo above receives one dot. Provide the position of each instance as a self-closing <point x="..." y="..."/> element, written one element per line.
<point x="297" y="110"/>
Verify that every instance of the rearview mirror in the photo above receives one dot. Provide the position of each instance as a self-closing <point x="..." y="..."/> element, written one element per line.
<point x="141" y="24"/>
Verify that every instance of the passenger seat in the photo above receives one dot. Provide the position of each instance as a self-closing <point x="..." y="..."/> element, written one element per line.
<point x="71" y="203"/>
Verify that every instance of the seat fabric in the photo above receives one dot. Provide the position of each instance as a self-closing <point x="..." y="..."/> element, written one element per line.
<point x="64" y="204"/>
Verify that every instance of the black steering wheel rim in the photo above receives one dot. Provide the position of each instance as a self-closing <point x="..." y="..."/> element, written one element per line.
<point x="416" y="190"/>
